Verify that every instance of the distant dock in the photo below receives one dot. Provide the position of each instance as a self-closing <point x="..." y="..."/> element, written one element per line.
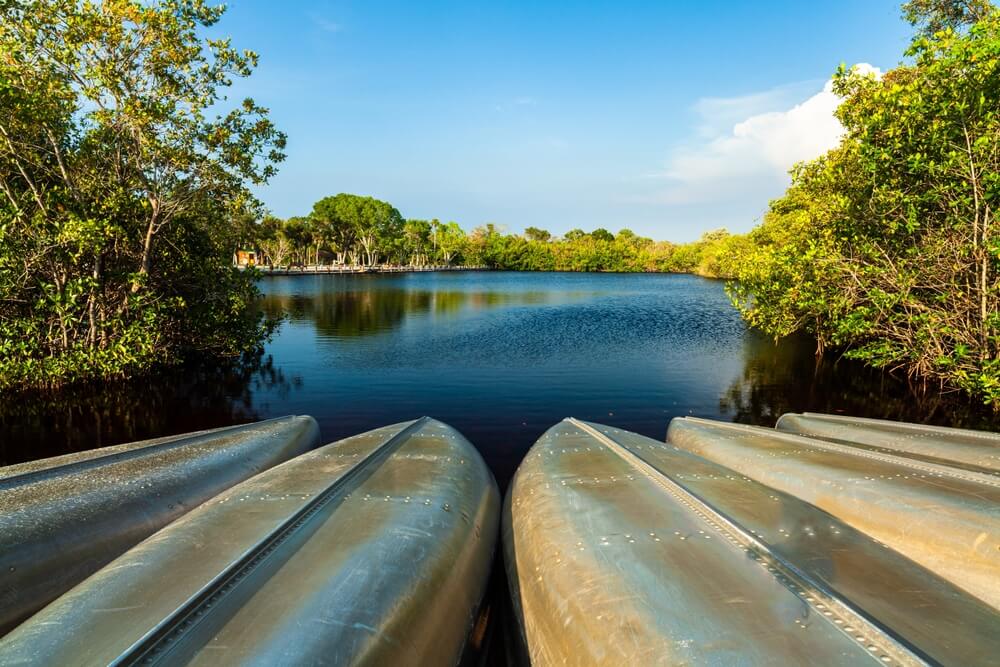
<point x="344" y="269"/>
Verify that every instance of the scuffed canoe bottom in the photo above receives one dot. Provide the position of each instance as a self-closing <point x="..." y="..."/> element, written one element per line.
<point x="63" y="518"/>
<point x="726" y="545"/>
<point x="944" y="518"/>
<point x="623" y="550"/>
<point x="372" y="550"/>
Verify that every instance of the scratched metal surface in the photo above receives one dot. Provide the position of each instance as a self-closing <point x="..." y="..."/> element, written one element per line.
<point x="372" y="550"/>
<point x="611" y="562"/>
<point x="63" y="518"/>
<point x="945" y="519"/>
<point x="973" y="450"/>
<point x="933" y="617"/>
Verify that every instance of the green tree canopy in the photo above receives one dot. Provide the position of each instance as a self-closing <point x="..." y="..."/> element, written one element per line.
<point x="451" y="241"/>
<point x="123" y="187"/>
<point x="932" y="16"/>
<point x="536" y="234"/>
<point x="889" y="245"/>
<point x="368" y="226"/>
<point x="417" y="244"/>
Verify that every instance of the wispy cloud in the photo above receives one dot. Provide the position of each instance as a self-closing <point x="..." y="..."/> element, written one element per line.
<point x="718" y="114"/>
<point x="325" y="24"/>
<point x="523" y="101"/>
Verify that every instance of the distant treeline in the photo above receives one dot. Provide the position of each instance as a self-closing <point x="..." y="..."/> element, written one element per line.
<point x="356" y="230"/>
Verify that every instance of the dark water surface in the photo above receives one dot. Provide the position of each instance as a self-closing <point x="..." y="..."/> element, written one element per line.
<point x="500" y="356"/>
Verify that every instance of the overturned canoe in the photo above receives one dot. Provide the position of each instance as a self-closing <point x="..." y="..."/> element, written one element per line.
<point x="63" y="518"/>
<point x="621" y="550"/>
<point x="944" y="518"/>
<point x="371" y="550"/>
<point x="974" y="450"/>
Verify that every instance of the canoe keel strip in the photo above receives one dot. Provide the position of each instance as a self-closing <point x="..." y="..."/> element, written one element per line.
<point x="372" y="550"/>
<point x="63" y="518"/>
<point x="622" y="550"/>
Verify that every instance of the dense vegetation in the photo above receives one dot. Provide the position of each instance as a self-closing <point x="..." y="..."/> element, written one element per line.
<point x="122" y="192"/>
<point x="888" y="245"/>
<point x="355" y="230"/>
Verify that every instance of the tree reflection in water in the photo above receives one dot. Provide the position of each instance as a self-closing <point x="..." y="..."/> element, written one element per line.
<point x="191" y="398"/>
<point x="787" y="377"/>
<point x="353" y="313"/>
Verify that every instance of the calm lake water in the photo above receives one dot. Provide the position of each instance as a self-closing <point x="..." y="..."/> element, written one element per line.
<point x="500" y="356"/>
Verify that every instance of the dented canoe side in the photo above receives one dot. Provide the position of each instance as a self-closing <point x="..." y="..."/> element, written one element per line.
<point x="945" y="519"/>
<point x="611" y="562"/>
<point x="62" y="519"/>
<point x="371" y="550"/>
<point x="977" y="450"/>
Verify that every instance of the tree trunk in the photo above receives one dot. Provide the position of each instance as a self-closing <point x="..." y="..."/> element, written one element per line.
<point x="147" y="247"/>
<point x="92" y="305"/>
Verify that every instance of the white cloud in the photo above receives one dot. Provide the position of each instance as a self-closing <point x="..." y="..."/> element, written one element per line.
<point x="752" y="157"/>
<point x="717" y="115"/>
<point x="325" y="24"/>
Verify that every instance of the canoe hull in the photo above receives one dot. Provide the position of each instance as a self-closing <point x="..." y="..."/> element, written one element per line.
<point x="373" y="550"/>
<point x="62" y="519"/>
<point x="622" y="550"/>
<point x="946" y="519"/>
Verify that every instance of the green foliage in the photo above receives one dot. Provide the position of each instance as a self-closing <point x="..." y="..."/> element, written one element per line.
<point x="364" y="228"/>
<point x="601" y="234"/>
<point x="933" y="16"/>
<point x="536" y="234"/>
<point x="789" y="266"/>
<point x="888" y="245"/>
<point x="122" y="194"/>
<point x="450" y="242"/>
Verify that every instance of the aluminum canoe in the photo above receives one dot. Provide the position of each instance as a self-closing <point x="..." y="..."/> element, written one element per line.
<point x="372" y="550"/>
<point x="944" y="518"/>
<point x="63" y="518"/>
<point x="972" y="450"/>
<point x="621" y="550"/>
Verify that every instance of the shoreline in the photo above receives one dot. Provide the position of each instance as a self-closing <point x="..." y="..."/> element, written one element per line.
<point x="364" y="270"/>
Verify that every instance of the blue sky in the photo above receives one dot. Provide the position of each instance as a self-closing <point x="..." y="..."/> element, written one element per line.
<point x="670" y="118"/>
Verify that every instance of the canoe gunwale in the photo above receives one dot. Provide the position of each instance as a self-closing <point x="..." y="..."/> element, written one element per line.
<point x="903" y="426"/>
<point x="64" y="518"/>
<point x="943" y="522"/>
<point x="820" y="598"/>
<point x="972" y="451"/>
<point x="938" y="469"/>
<point x="140" y="449"/>
<point x="155" y="645"/>
<point x="960" y="466"/>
